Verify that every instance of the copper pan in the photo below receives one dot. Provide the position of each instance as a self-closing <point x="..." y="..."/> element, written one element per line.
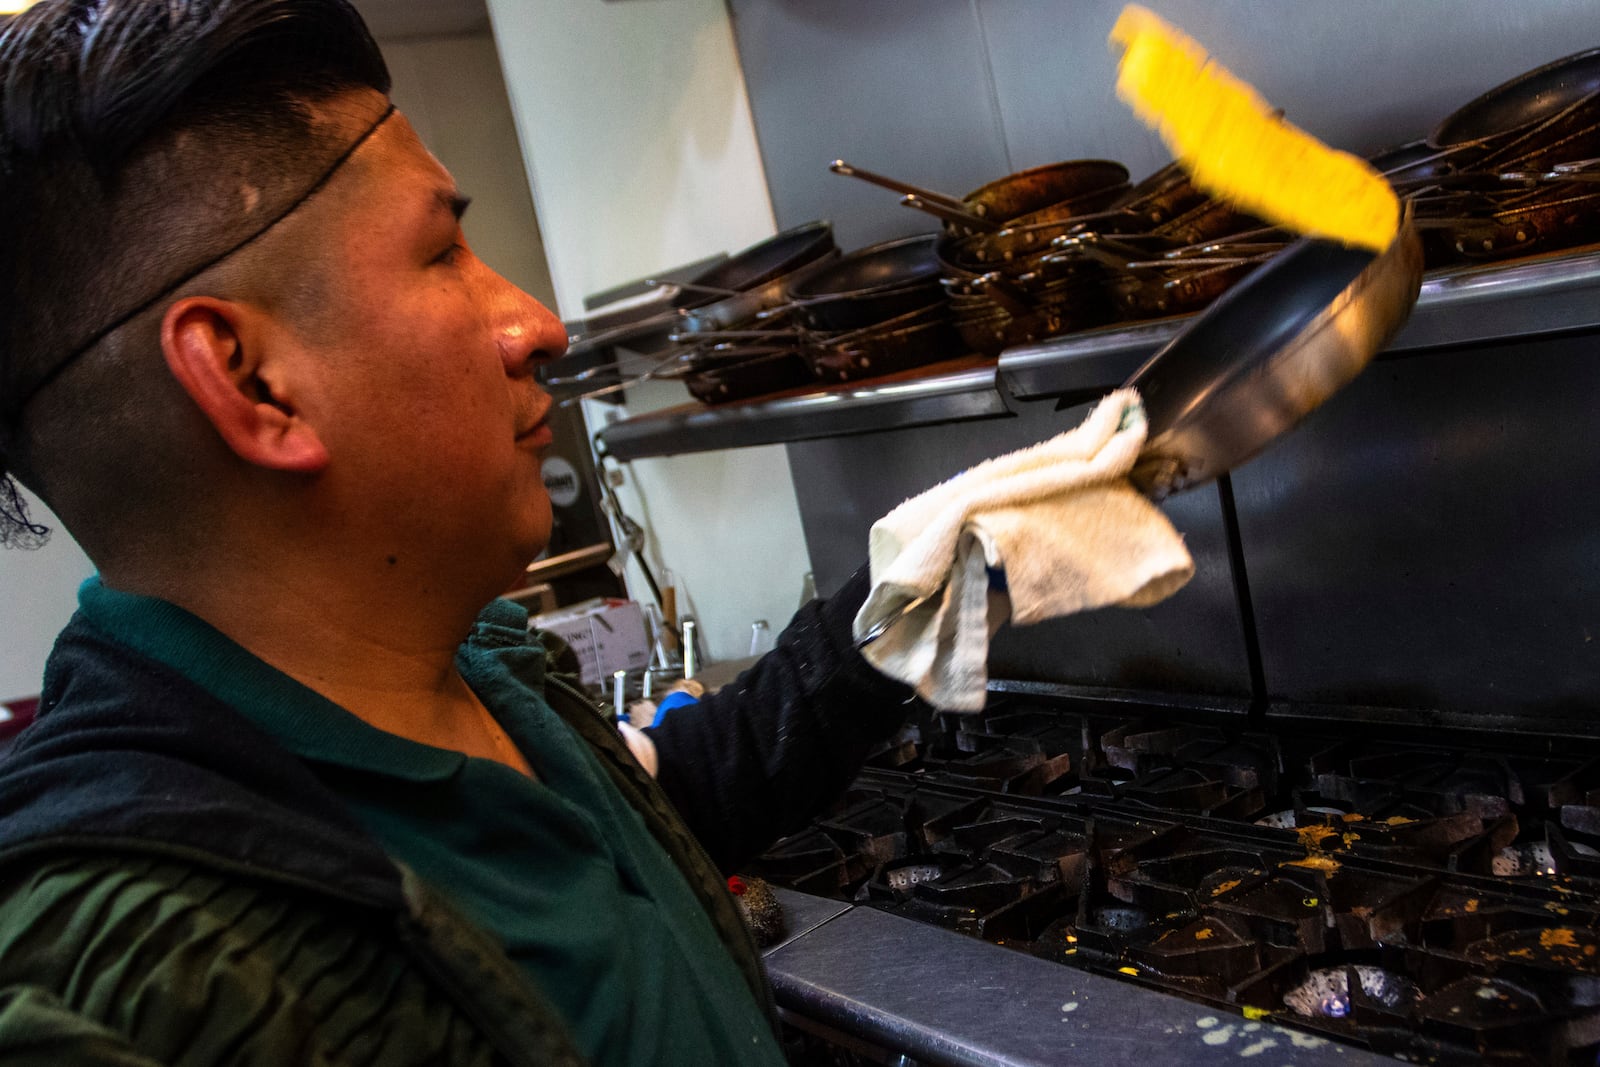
<point x="1004" y="323"/>
<point x="1154" y="294"/>
<point x="1562" y="215"/>
<point x="912" y="340"/>
<point x="1210" y="222"/>
<point x="1033" y="232"/>
<point x="758" y="375"/>
<point x="1268" y="353"/>
<point x="1164" y="194"/>
<point x="1008" y="198"/>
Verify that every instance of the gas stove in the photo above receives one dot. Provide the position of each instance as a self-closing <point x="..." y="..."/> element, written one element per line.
<point x="1430" y="897"/>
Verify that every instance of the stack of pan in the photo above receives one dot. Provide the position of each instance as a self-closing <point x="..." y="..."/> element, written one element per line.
<point x="874" y="311"/>
<point x="740" y="345"/>
<point x="1513" y="172"/>
<point x="991" y="254"/>
<point x="1071" y="245"/>
<point x="737" y="293"/>
<point x="1167" y="248"/>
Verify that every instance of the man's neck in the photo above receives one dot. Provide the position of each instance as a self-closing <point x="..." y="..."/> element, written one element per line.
<point x="386" y="655"/>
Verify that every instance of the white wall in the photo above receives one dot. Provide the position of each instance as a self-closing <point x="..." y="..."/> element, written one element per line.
<point x="637" y="136"/>
<point x="726" y="524"/>
<point x="636" y="132"/>
<point x="450" y="88"/>
<point x="39" y="590"/>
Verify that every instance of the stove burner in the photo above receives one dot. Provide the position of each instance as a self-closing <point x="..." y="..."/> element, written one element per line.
<point x="1535" y="859"/>
<point x="1344" y="884"/>
<point x="900" y="878"/>
<point x="1121" y="919"/>
<point x="1291" y="819"/>
<point x="1326" y="994"/>
<point x="1522" y="861"/>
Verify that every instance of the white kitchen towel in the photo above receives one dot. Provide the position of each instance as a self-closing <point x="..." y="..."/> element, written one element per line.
<point x="1059" y="521"/>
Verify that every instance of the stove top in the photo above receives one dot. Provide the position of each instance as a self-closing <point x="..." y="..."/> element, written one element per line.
<point x="1418" y="896"/>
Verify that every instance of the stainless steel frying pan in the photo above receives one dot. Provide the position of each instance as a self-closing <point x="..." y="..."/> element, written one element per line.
<point x="1267" y="353"/>
<point x="1259" y="360"/>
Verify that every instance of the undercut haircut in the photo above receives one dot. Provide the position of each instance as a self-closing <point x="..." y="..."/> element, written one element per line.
<point x="141" y="141"/>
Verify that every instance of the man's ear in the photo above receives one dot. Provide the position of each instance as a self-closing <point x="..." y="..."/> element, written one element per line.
<point x="222" y="364"/>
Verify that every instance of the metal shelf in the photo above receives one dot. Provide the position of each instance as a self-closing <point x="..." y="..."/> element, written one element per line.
<point x="1528" y="298"/>
<point x="954" y="397"/>
<point x="1467" y="306"/>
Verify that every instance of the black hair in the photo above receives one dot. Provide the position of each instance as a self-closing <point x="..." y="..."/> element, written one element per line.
<point x="97" y="77"/>
<point x="90" y="91"/>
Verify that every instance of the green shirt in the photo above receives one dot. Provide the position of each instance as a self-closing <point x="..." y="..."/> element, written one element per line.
<point x="562" y="871"/>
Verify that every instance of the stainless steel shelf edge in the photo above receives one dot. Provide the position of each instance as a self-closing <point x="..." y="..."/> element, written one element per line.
<point x="945" y="999"/>
<point x="1551" y="294"/>
<point x="1082" y="362"/>
<point x="1554" y="294"/>
<point x="971" y="394"/>
<point x="1102" y="696"/>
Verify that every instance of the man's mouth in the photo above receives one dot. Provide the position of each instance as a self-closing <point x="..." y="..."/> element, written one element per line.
<point x="539" y="434"/>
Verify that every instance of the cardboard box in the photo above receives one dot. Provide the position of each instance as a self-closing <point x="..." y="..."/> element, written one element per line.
<point x="607" y="634"/>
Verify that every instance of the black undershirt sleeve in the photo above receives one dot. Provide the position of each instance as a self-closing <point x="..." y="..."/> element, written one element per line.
<point x="766" y="753"/>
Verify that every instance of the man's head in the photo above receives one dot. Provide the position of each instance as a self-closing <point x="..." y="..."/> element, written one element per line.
<point x="200" y="213"/>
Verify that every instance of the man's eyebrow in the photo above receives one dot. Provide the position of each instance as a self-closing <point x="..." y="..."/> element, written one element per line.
<point x="453" y="201"/>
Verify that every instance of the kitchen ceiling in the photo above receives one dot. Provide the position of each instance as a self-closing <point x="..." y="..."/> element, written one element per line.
<point x="423" y="18"/>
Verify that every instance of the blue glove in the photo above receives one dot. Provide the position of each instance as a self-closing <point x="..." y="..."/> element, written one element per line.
<point x="670" y="701"/>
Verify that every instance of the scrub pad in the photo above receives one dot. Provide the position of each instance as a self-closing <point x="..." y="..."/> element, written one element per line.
<point x="1235" y="147"/>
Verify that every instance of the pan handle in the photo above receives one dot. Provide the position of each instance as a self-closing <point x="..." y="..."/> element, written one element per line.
<point x="660" y="320"/>
<point x="709" y="290"/>
<point x="839" y="166"/>
<point x="1095" y="246"/>
<point x="995" y="287"/>
<point x="660" y="370"/>
<point x="1195" y="261"/>
<point x="959" y="218"/>
<point x="1584" y="170"/>
<point x="715" y="336"/>
<point x="604" y="370"/>
<point x="1089" y="222"/>
<point x="1577" y="170"/>
<point x="1509" y="151"/>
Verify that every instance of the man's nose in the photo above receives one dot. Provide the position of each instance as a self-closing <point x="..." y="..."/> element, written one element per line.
<point x="527" y="333"/>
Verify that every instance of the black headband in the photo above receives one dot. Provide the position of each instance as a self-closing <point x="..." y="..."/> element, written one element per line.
<point x="16" y="404"/>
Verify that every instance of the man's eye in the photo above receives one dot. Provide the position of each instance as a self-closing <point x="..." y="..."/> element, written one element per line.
<point x="452" y="255"/>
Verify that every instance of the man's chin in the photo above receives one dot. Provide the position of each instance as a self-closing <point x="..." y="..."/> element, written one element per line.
<point x="530" y="550"/>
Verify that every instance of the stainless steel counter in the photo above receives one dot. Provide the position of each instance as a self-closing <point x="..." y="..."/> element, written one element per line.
<point x="953" y="1001"/>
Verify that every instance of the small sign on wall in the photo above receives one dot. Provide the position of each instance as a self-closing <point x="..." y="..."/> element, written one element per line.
<point x="607" y="635"/>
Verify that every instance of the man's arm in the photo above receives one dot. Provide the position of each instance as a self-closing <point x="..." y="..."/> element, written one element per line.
<point x="761" y="756"/>
<point x="38" y="1030"/>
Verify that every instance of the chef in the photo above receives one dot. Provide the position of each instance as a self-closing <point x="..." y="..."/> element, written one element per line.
<point x="294" y="794"/>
